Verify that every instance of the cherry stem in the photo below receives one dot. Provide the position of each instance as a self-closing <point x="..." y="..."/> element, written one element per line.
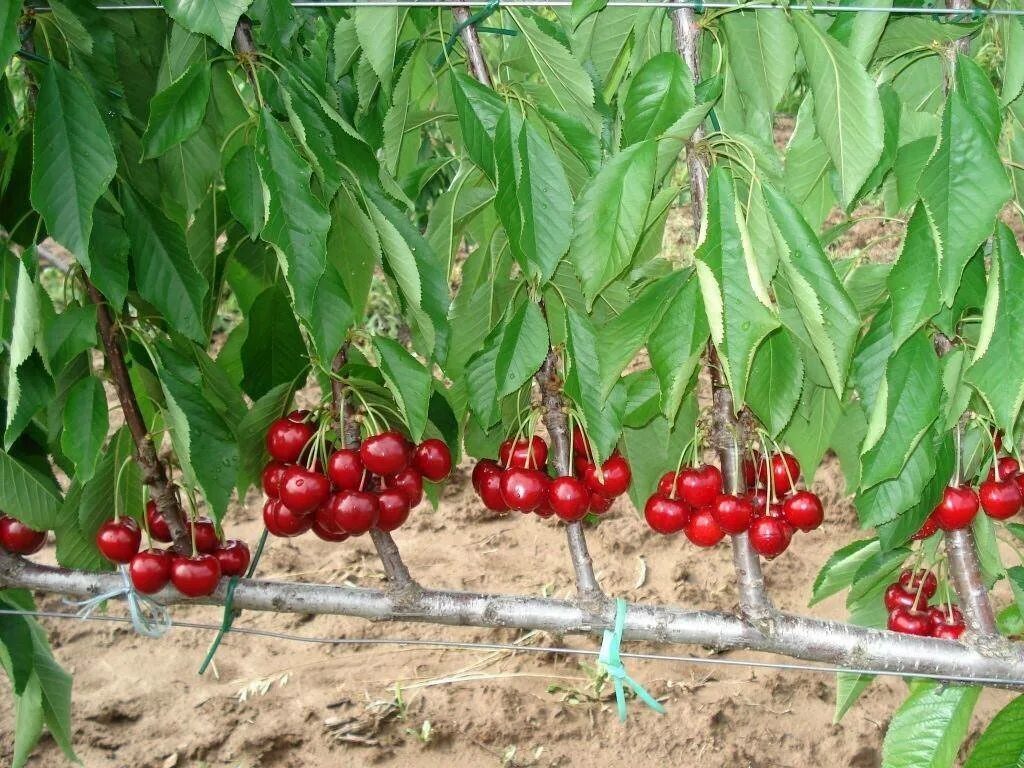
<point x="995" y="454"/>
<point x="117" y="488"/>
<point x="920" y="586"/>
<point x="768" y="474"/>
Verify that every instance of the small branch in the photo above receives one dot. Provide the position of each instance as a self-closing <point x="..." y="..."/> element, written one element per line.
<point x="474" y="51"/>
<point x="28" y="44"/>
<point x="154" y="473"/>
<point x="244" y="46"/>
<point x="828" y="642"/>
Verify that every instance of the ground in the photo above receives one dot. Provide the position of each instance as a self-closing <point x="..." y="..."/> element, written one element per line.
<point x="284" y="704"/>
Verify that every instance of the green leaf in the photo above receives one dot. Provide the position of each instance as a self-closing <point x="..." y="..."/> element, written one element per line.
<point x="73" y="160"/>
<point x="10" y="14"/>
<point x="963" y="188"/>
<point x="658" y="95"/>
<point x="85" y="426"/>
<point x="847" y="110"/>
<point x="914" y="281"/>
<point x="273" y="352"/>
<point x="677" y="343"/>
<point x="409" y="381"/>
<point x="975" y="86"/>
<point x="108" y="249"/>
<point x="776" y="380"/>
<point x="25" y="497"/>
<point x="245" y="194"/>
<point x="849" y="687"/>
<point x="654" y="449"/>
<point x="377" y="30"/>
<point x="24" y="330"/>
<point x="164" y="272"/>
<point x="481" y="380"/>
<point x="762" y="51"/>
<point x="353" y="246"/>
<point x="67" y="335"/>
<point x="810" y="430"/>
<point x="252" y="430"/>
<point x="928" y="728"/>
<point x="16" y="641"/>
<point x="1001" y="745"/>
<point x="581" y="9"/>
<point x="889" y="499"/>
<point x="840" y="569"/>
<point x="996" y="371"/>
<point x="479" y="109"/>
<point x="610" y="216"/>
<point x="571" y="86"/>
<point x="55" y="685"/>
<point x="28" y="721"/>
<point x="1011" y="31"/>
<point x="176" y="112"/>
<point x="524" y="345"/>
<point x="602" y="419"/>
<point x="808" y="169"/>
<point x="216" y="18"/>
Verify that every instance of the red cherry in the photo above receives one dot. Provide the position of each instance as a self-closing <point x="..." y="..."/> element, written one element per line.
<point x="943" y="615"/>
<point x="702" y="529"/>
<point x="599" y="504"/>
<point x="616" y="478"/>
<point x="327" y="533"/>
<point x="158" y="528"/>
<point x="490" y="490"/>
<point x="303" y="491"/>
<point x="355" y="512"/>
<point x="580" y="444"/>
<point x="803" y="510"/>
<point x="579" y="466"/>
<point x="195" y="576"/>
<point x="733" y="513"/>
<point x="118" y="540"/>
<point x="483" y="467"/>
<point x="997" y="439"/>
<point x="699" y="485"/>
<point x="433" y="460"/>
<point x="345" y="469"/>
<point x="910" y="622"/>
<point x="750" y="470"/>
<point x="769" y="536"/>
<point x="393" y="509"/>
<point x="911" y="581"/>
<point x="569" y="498"/>
<point x="665" y="515"/>
<point x="233" y="556"/>
<point x="759" y="501"/>
<point x="270" y="507"/>
<point x="18" y="539"/>
<point x="948" y="631"/>
<point x="524" y="454"/>
<point x="409" y="482"/>
<point x="289" y="523"/>
<point x="1001" y="499"/>
<point x="785" y="470"/>
<point x="929" y="527"/>
<point x="385" y="454"/>
<point x="286" y="439"/>
<point x="204" y="532"/>
<point x="1008" y="468"/>
<point x="150" y="570"/>
<point x="545" y="510"/>
<point x="1019" y="480"/>
<point x="897" y="597"/>
<point x="523" y="489"/>
<point x="667" y="484"/>
<point x="271" y="478"/>
<point x="957" y="508"/>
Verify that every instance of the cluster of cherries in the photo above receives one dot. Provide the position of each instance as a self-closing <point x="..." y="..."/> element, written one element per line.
<point x="909" y="612"/>
<point x="374" y="486"/>
<point x="153" y="568"/>
<point x="692" y="500"/>
<point x="1000" y="496"/>
<point x="519" y="480"/>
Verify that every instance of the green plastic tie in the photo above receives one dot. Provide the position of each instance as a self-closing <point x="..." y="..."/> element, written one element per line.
<point x="612" y="663"/>
<point x="476" y="18"/>
<point x="230" y="614"/>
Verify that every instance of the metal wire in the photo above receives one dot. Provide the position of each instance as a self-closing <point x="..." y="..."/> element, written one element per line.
<point x="476" y="646"/>
<point x="697" y="5"/>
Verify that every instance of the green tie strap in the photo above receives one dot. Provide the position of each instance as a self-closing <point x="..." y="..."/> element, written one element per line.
<point x="611" y="661"/>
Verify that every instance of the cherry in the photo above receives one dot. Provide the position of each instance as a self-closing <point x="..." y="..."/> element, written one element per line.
<point x="433" y="460"/>
<point x="195" y="576"/>
<point x="1019" y="480"/>
<point x="750" y="470"/>
<point x="910" y="622"/>
<point x="483" y="467"/>
<point x="545" y="509"/>
<point x="929" y="527"/>
<point x="616" y="476"/>
<point x="150" y="570"/>
<point x="957" y="509"/>
<point x="524" y="454"/>
<point x="569" y="498"/>
<point x="948" y="631"/>
<point x="204" y="533"/>
<point x="271" y="478"/>
<point x="118" y="540"/>
<point x="302" y="491"/>
<point x="667" y="484"/>
<point x="579" y="465"/>
<point x="911" y="581"/>
<point x="345" y="469"/>
<point x="997" y="439"/>
<point x="393" y="507"/>
<point x="286" y="438"/>
<point x="785" y="470"/>
<point x="1008" y="468"/>
<point x="158" y="528"/>
<point x="490" y="490"/>
<point x="699" y="485"/>
<point x="599" y="504"/>
<point x="327" y="533"/>
<point x="1001" y="499"/>
<point x="580" y="444"/>
<point x="385" y="454"/>
<point x="270" y="507"/>
<point x="287" y="523"/>
<point x="733" y="513"/>
<point x="759" y="501"/>
<point x="523" y="489"/>
<point x="18" y="539"/>
<point x="769" y="536"/>
<point x="355" y="512"/>
<point x="666" y="515"/>
<point x="409" y="482"/>
<point x="233" y="556"/>
<point x="943" y="615"/>
<point x="898" y="597"/>
<point x="803" y="510"/>
<point x="702" y="529"/>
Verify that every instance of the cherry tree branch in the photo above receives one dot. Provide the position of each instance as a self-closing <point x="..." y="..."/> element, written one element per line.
<point x="474" y="52"/>
<point x="727" y="432"/>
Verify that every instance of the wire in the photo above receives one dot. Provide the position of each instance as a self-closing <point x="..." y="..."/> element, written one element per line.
<point x="476" y="646"/>
<point x="697" y="5"/>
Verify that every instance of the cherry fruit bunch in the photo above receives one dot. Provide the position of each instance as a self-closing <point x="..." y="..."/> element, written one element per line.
<point x="519" y="480"/>
<point x="909" y="612"/>
<point x="692" y="500"/>
<point x="344" y="492"/>
<point x="1000" y="496"/>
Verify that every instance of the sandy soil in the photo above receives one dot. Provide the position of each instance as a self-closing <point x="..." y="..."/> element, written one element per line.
<point x="139" y="702"/>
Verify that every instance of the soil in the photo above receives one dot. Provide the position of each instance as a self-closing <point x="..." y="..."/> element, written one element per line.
<point x="286" y="704"/>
